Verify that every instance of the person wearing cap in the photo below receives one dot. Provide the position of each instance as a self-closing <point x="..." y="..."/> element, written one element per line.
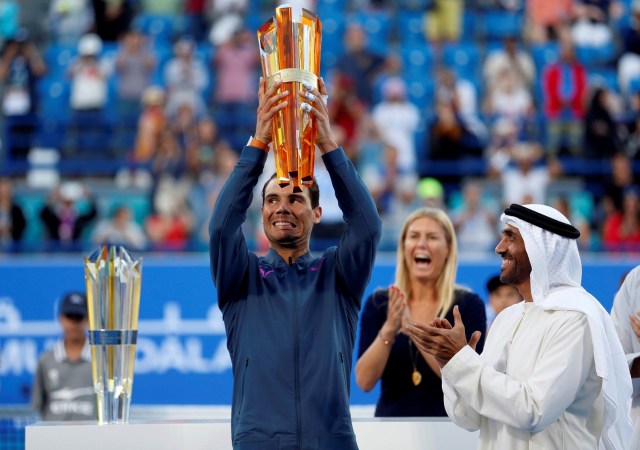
<point x="553" y="373"/>
<point x="501" y="296"/>
<point x="21" y="65"/>
<point x="626" y="318"/>
<point x="62" y="387"/>
<point x="62" y="217"/>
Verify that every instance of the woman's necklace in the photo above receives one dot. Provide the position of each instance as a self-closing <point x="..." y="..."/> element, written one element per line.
<point x="416" y="376"/>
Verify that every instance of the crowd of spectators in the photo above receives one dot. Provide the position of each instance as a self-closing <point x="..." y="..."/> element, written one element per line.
<point x="483" y="103"/>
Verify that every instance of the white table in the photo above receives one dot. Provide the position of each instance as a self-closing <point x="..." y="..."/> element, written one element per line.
<point x="372" y="434"/>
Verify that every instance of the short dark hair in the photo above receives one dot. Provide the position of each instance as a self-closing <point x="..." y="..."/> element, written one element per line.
<point x="314" y="191"/>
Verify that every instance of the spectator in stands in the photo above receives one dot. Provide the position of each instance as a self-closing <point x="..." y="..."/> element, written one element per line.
<point x="197" y="22"/>
<point x="511" y="57"/>
<point x="424" y="289"/>
<point x="565" y="90"/>
<point x="112" y="18"/>
<point x="88" y="94"/>
<point x="224" y="160"/>
<point x="31" y="20"/>
<point x="475" y="224"/>
<point x="621" y="229"/>
<point x="70" y="20"/>
<point x="461" y="95"/>
<point x="501" y="296"/>
<point x="504" y="136"/>
<point x="526" y="178"/>
<point x="431" y="193"/>
<point x="62" y="385"/>
<point x="621" y="178"/>
<point x="629" y="62"/>
<point x="397" y="120"/>
<point x="171" y="225"/>
<point x="172" y="8"/>
<point x="12" y="220"/>
<point x="358" y="65"/>
<point x="63" y="218"/>
<point x="120" y="229"/>
<point x="447" y="134"/>
<point x="226" y="16"/>
<point x="563" y="204"/>
<point x="600" y="129"/>
<point x="328" y="231"/>
<point x="443" y="22"/>
<point x="200" y="160"/>
<point x="346" y="112"/>
<point x="545" y="17"/>
<point x="591" y="24"/>
<point x="509" y="99"/>
<point x="235" y="63"/>
<point x="185" y="77"/>
<point x="135" y="62"/>
<point x="9" y="19"/>
<point x="20" y="67"/>
<point x="150" y="125"/>
<point x="391" y="187"/>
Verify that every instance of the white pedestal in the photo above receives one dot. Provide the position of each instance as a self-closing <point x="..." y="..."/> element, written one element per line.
<point x="372" y="434"/>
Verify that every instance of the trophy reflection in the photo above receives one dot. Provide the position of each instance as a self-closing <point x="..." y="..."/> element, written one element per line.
<point x="290" y="52"/>
<point x="113" y="300"/>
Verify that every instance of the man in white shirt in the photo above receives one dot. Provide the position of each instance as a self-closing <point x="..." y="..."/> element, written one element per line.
<point x="553" y="373"/>
<point x="626" y="318"/>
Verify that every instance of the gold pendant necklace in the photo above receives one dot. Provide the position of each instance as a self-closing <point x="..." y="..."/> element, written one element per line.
<point x="416" y="376"/>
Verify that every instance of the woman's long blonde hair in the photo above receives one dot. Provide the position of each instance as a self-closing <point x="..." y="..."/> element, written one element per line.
<point x="446" y="281"/>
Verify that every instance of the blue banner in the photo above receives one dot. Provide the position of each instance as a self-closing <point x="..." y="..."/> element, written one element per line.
<point x="181" y="355"/>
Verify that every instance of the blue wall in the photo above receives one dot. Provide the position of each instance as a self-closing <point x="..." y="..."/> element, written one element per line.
<point x="182" y="356"/>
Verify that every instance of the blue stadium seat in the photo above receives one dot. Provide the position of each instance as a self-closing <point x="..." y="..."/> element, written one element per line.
<point x="54" y="98"/>
<point x="158" y="27"/>
<point x="409" y="28"/>
<point x="331" y="8"/>
<point x="420" y="89"/>
<point x="501" y="24"/>
<point x="604" y="77"/>
<point x="634" y="85"/>
<point x="417" y="59"/>
<point x="595" y="56"/>
<point x="469" y="25"/>
<point x="463" y="57"/>
<point x="58" y="58"/>
<point x="544" y="54"/>
<point x="332" y="39"/>
<point x="377" y="26"/>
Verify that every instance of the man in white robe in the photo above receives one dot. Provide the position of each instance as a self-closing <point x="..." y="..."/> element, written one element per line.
<point x="553" y="373"/>
<point x="626" y="318"/>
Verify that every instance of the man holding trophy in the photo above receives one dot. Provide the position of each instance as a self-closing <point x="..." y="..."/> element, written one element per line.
<point x="291" y="317"/>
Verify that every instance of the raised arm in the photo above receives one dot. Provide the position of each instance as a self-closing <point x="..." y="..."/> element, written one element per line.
<point x="228" y="252"/>
<point x="357" y="249"/>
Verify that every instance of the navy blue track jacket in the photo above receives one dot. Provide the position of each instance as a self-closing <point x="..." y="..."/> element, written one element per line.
<point x="291" y="328"/>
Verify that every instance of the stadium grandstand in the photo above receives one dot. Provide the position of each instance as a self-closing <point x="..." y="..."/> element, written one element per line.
<point x="121" y="119"/>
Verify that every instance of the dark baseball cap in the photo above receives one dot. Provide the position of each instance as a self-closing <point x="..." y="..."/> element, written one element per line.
<point x="74" y="304"/>
<point x="494" y="283"/>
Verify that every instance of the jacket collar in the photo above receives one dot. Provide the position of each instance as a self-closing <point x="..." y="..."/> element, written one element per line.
<point x="273" y="259"/>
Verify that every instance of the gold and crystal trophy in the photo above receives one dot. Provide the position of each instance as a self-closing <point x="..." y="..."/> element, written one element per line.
<point x="290" y="52"/>
<point x="113" y="302"/>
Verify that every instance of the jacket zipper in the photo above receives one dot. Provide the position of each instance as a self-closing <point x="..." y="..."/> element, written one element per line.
<point x="296" y="356"/>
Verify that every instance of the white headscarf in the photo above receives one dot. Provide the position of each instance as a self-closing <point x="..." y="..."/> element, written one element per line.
<point x="555" y="268"/>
